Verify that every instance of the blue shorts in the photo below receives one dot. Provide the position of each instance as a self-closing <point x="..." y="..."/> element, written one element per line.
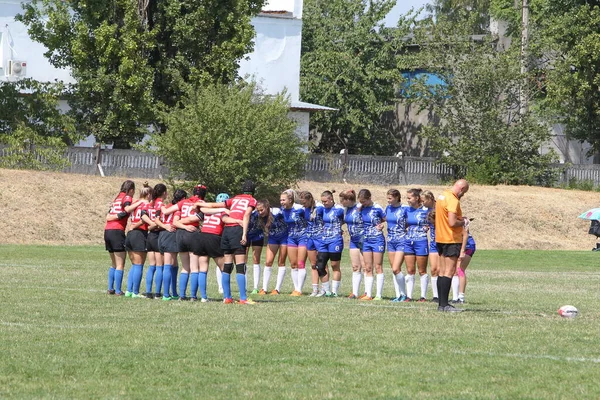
<point x="418" y="248"/>
<point x="356" y="243"/>
<point x="312" y="244"/>
<point x="334" y="246"/>
<point x="278" y="240"/>
<point x="396" y="245"/>
<point x="376" y="245"/>
<point x="296" y="241"/>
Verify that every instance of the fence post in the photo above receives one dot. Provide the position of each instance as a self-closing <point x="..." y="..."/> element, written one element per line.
<point x="98" y="158"/>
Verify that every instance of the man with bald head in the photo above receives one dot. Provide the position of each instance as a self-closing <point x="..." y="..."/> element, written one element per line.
<point x="449" y="225"/>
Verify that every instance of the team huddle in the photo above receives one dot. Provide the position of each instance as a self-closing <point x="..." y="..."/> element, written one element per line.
<point x="187" y="232"/>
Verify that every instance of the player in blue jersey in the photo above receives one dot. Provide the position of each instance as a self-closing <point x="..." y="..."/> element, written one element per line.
<point x="428" y="200"/>
<point x="459" y="281"/>
<point x="314" y="229"/>
<point x="373" y="217"/>
<point x="416" y="247"/>
<point x="331" y="243"/>
<point x="294" y="217"/>
<point x="277" y="244"/>
<point x="354" y="224"/>
<point x="395" y="215"/>
<point x="260" y="221"/>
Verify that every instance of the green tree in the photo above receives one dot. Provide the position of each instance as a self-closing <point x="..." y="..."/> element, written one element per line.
<point x="349" y="63"/>
<point x="475" y="12"/>
<point x="130" y="59"/>
<point x="32" y="128"/>
<point x="222" y="135"/>
<point x="482" y="130"/>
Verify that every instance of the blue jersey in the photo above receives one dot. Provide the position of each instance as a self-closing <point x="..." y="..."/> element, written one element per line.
<point x="314" y="222"/>
<point x="372" y="216"/>
<point x="295" y="220"/>
<point x="416" y="221"/>
<point x="354" y="222"/>
<point x="470" y="243"/>
<point x="431" y="227"/>
<point x="333" y="218"/>
<point x="396" y="222"/>
<point x="256" y="227"/>
<point x="278" y="227"/>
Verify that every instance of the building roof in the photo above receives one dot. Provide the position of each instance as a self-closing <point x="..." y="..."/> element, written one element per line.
<point x="302" y="106"/>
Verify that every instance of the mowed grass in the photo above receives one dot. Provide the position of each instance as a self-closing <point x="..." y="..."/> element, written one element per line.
<point x="62" y="337"/>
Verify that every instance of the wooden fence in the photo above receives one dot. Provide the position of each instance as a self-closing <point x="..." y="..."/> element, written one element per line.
<point x="319" y="167"/>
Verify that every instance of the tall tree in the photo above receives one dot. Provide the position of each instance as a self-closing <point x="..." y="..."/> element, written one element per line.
<point x="476" y="12"/>
<point x="130" y="58"/>
<point x="349" y="62"/>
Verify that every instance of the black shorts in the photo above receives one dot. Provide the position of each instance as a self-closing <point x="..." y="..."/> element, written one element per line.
<point x="114" y="240"/>
<point x="188" y="241"/>
<point x="167" y="242"/>
<point x="136" y="240"/>
<point x="210" y="245"/>
<point x="448" y="249"/>
<point x="230" y="241"/>
<point x="259" y="242"/>
<point x="152" y="241"/>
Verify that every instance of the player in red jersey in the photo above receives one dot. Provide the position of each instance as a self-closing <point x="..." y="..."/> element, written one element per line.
<point x="167" y="245"/>
<point x="114" y="235"/>
<point x="135" y="242"/>
<point x="188" y="239"/>
<point x="233" y="240"/>
<point x="155" y="258"/>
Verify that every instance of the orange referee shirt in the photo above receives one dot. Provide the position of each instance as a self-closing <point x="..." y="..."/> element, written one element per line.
<point x="444" y="233"/>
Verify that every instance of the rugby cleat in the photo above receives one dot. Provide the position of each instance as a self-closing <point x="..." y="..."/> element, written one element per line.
<point x="274" y="292"/>
<point x="296" y="293"/>
<point x="422" y="300"/>
<point x="262" y="292"/>
<point x="255" y="291"/>
<point x="247" y="301"/>
<point x="111" y="292"/>
<point x="352" y="296"/>
<point x="228" y="300"/>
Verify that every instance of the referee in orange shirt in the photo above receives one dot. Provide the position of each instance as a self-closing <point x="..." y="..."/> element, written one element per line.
<point x="449" y="223"/>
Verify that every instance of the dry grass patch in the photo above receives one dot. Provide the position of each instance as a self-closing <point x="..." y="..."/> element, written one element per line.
<point x="57" y="208"/>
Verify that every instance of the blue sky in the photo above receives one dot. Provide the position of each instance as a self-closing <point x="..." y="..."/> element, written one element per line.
<point x="402" y="7"/>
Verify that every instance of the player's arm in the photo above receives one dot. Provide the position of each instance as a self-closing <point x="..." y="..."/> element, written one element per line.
<point x="212" y="211"/>
<point x="201" y="204"/>
<point x="181" y="225"/>
<point x="129" y="207"/>
<point x="455" y="221"/>
<point x="245" y="223"/>
<point x="463" y="245"/>
<point x="146" y="218"/>
<point x="169" y="210"/>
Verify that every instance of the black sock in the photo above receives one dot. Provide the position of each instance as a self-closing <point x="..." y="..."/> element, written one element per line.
<point x="444" y="286"/>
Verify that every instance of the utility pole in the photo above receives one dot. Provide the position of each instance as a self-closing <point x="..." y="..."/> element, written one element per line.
<point x="524" y="68"/>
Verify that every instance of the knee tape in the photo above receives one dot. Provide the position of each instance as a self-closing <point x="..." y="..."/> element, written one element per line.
<point x="228" y="268"/>
<point x="460" y="272"/>
<point x="301" y="265"/>
<point x="240" y="268"/>
<point x="322" y="259"/>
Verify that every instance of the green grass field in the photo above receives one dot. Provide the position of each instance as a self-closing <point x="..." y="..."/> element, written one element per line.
<point x="63" y="337"/>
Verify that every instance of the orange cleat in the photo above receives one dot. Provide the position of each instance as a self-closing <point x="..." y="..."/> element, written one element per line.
<point x="228" y="300"/>
<point x="296" y="293"/>
<point x="262" y="292"/>
<point x="274" y="292"/>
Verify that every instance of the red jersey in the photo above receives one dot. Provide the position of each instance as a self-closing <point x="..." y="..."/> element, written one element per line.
<point x="152" y="208"/>
<point x="187" y="208"/>
<point x="238" y="206"/>
<point x="213" y="224"/>
<point x="136" y="216"/>
<point x="118" y="205"/>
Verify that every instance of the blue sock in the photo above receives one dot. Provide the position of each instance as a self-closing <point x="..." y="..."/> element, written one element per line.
<point x="158" y="279"/>
<point x="241" y="281"/>
<point x="226" y="280"/>
<point x="174" y="270"/>
<point x="194" y="285"/>
<point x="166" y="280"/>
<point x="183" y="281"/>
<point x="138" y="271"/>
<point x="111" y="278"/>
<point x="202" y="284"/>
<point x="130" y="280"/>
<point x="118" y="280"/>
<point x="150" y="278"/>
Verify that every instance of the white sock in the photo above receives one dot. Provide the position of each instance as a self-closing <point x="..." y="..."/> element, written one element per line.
<point x="369" y="285"/>
<point x="267" y="277"/>
<point x="295" y="278"/>
<point x="455" y="283"/>
<point x="280" y="276"/>
<point x="256" y="275"/>
<point x="424" y="284"/>
<point x="335" y="286"/>
<point x="396" y="286"/>
<point x="356" y="278"/>
<point x="301" y="278"/>
<point x="461" y="296"/>
<point x="379" y="284"/>
<point x="410" y="285"/>
<point x="219" y="281"/>
<point x="315" y="288"/>
<point x="326" y="287"/>
<point x="434" y="286"/>
<point x="401" y="283"/>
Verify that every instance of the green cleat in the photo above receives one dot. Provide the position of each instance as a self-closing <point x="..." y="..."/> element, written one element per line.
<point x="128" y="294"/>
<point x="255" y="291"/>
<point x="166" y="298"/>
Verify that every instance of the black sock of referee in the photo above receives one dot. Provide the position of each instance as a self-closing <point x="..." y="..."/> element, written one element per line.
<point x="445" y="284"/>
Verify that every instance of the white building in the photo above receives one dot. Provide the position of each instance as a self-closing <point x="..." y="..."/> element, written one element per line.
<point x="274" y="63"/>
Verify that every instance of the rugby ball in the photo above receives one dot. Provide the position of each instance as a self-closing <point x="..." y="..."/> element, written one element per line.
<point x="568" y="312"/>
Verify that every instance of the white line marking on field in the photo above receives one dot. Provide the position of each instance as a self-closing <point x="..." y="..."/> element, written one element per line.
<point x="530" y="356"/>
<point x="59" y="326"/>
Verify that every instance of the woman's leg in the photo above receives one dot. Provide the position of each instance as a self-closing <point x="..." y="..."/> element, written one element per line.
<point x="422" y="266"/>
<point x="368" y="256"/>
<point x="378" y="265"/>
<point x="357" y="261"/>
